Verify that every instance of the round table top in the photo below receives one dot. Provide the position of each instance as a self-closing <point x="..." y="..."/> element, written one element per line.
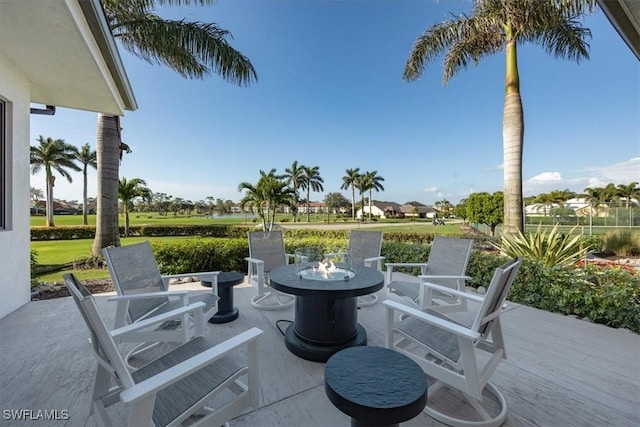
<point x="375" y="385"/>
<point x="285" y="279"/>
<point x="227" y="278"/>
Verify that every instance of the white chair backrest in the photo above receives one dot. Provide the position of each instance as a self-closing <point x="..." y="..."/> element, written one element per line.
<point x="496" y="294"/>
<point x="448" y="256"/>
<point x="366" y="244"/>
<point x="104" y="347"/>
<point x="267" y="246"/>
<point x="134" y="270"/>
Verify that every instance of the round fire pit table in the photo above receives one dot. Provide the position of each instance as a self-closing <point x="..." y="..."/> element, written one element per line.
<point x="226" y="311"/>
<point x="375" y="386"/>
<point x="326" y="315"/>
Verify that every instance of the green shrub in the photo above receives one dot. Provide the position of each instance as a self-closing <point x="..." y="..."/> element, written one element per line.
<point x="33" y="262"/>
<point x="622" y="243"/>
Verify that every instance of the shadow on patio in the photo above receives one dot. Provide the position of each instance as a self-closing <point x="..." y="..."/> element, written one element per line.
<point x="559" y="371"/>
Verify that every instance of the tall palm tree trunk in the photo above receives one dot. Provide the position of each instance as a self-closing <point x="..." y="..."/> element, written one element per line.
<point x="513" y="141"/>
<point x="353" y="203"/>
<point x="50" y="183"/>
<point x="108" y="156"/>
<point x="84" y="198"/>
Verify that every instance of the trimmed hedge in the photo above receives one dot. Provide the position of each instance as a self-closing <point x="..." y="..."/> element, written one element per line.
<point x="607" y="295"/>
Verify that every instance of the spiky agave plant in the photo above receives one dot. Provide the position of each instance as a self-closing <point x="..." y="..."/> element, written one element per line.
<point x="551" y="248"/>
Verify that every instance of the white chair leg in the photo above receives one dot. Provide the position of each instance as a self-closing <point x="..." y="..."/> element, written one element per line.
<point x="367" y="300"/>
<point x="487" y="420"/>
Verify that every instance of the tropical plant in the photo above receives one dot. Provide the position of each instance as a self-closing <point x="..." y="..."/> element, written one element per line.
<point x="372" y="181"/>
<point x="87" y="157"/>
<point x="629" y="191"/>
<point x="622" y="243"/>
<point x="551" y="249"/>
<point x="264" y="197"/>
<point x="36" y="196"/>
<point x="52" y="155"/>
<point x="294" y="177"/>
<point x="191" y="48"/>
<point x="349" y="182"/>
<point x="500" y="26"/>
<point x="311" y="180"/>
<point x="129" y="190"/>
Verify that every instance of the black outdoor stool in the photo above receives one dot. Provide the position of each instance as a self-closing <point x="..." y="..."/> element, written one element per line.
<point x="226" y="311"/>
<point x="375" y="386"/>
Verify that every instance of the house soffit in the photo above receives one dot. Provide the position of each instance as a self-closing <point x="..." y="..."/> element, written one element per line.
<point x="59" y="48"/>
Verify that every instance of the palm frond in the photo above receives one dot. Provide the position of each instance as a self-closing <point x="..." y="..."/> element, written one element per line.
<point x="193" y="49"/>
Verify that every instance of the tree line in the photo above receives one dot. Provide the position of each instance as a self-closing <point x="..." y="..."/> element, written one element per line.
<point x="488" y="209"/>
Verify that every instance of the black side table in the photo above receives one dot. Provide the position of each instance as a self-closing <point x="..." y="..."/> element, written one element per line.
<point x="375" y="386"/>
<point x="226" y="311"/>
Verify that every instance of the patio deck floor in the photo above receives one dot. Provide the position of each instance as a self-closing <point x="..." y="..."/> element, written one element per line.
<point x="560" y="371"/>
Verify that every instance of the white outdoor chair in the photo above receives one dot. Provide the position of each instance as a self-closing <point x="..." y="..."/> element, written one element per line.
<point x="189" y="380"/>
<point x="461" y="358"/>
<point x="144" y="292"/>
<point x="266" y="252"/>
<point x="446" y="267"/>
<point x="367" y="246"/>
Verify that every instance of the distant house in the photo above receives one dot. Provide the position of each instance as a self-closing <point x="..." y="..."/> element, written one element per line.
<point x="418" y="210"/>
<point x="580" y="205"/>
<point x="540" y="209"/>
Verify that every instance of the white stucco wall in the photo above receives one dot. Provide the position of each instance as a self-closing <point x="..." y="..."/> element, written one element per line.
<point x="15" y="241"/>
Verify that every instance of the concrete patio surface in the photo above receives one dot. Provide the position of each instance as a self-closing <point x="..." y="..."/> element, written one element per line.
<point x="560" y="371"/>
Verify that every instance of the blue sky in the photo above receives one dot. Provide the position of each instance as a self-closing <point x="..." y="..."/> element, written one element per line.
<point x="330" y="94"/>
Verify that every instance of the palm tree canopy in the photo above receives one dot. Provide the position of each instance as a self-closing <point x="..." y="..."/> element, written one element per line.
<point x="87" y="157"/>
<point x="372" y="181"/>
<point x="130" y="189"/>
<point x="349" y="180"/>
<point x="53" y="154"/>
<point x="191" y="48"/>
<point x="312" y="179"/>
<point x="492" y="24"/>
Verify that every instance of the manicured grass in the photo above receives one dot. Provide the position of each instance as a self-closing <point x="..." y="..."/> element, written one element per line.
<point x="140" y="218"/>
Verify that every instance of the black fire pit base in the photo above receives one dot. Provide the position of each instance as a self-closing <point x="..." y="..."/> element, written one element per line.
<point x="320" y="353"/>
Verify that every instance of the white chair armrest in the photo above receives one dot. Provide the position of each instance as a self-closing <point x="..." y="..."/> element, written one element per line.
<point x="442" y="276"/>
<point x="165" y="378"/>
<point x="454" y="328"/>
<point x="204" y="275"/>
<point x="161" y="294"/>
<point x="451" y="291"/>
<point x="405" y="264"/>
<point x="290" y="257"/>
<point x="115" y="333"/>
<point x="254" y="260"/>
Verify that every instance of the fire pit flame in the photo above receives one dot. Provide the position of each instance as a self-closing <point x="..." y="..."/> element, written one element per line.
<point x="326" y="268"/>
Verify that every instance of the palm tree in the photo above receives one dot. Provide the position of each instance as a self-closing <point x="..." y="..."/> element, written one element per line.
<point x="52" y="155"/>
<point x="371" y="181"/>
<point x="129" y="190"/>
<point x="294" y="177"/>
<point x="270" y="192"/>
<point x="500" y="26"/>
<point x="311" y="180"/>
<point x="36" y="196"/>
<point x="594" y="196"/>
<point x="629" y="191"/>
<point x="191" y="48"/>
<point x="349" y="181"/>
<point x="86" y="157"/>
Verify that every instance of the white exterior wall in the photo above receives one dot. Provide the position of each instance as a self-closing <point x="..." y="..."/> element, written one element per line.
<point x="15" y="242"/>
